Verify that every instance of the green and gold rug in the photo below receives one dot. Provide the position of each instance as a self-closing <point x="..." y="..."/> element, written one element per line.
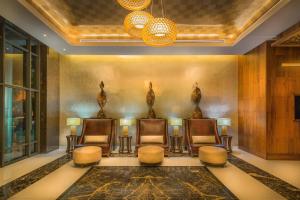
<point x="145" y="183"/>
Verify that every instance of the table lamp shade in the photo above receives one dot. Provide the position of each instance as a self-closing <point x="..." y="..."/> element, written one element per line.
<point x="224" y="122"/>
<point x="73" y="121"/>
<point x="175" y="122"/>
<point x="125" y="122"/>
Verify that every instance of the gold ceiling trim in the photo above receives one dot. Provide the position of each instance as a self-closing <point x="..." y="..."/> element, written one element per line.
<point x="208" y="34"/>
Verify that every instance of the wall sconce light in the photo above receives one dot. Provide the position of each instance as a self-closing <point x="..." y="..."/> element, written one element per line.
<point x="290" y="64"/>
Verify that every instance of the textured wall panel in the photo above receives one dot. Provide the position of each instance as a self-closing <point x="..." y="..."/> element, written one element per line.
<point x="126" y="83"/>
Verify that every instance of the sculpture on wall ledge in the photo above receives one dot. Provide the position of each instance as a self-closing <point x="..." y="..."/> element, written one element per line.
<point x="101" y="99"/>
<point x="196" y="98"/>
<point x="150" y="102"/>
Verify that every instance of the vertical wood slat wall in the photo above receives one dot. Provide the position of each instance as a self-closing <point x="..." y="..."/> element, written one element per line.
<point x="266" y="102"/>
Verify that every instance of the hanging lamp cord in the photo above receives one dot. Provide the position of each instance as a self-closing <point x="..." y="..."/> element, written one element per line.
<point x="162" y="8"/>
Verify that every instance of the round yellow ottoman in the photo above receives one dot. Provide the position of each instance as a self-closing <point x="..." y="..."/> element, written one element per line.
<point x="87" y="155"/>
<point x="213" y="155"/>
<point x="151" y="154"/>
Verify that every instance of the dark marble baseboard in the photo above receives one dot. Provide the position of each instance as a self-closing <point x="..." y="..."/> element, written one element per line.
<point x="147" y="183"/>
<point x="283" y="188"/>
<point x="25" y="181"/>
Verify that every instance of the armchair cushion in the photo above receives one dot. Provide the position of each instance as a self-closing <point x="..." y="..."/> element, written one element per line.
<point x="152" y="139"/>
<point x="207" y="139"/>
<point x="96" y="139"/>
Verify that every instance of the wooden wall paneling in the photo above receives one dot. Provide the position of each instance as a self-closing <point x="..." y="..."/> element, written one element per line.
<point x="284" y="131"/>
<point x="252" y="110"/>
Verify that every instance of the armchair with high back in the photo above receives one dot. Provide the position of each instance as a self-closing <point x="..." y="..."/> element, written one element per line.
<point x="98" y="132"/>
<point x="200" y="132"/>
<point x="152" y="132"/>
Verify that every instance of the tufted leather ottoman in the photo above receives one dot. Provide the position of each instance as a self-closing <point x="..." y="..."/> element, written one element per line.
<point x="213" y="155"/>
<point x="87" y="155"/>
<point x="151" y="154"/>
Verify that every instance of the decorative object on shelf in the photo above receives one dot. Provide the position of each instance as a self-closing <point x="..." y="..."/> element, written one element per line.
<point x="226" y="142"/>
<point x="196" y="98"/>
<point x="134" y="4"/>
<point x="125" y="123"/>
<point x="122" y="140"/>
<point x="176" y="143"/>
<point x="135" y="22"/>
<point x="150" y="98"/>
<point x="176" y="123"/>
<point x="101" y="101"/>
<point x="73" y="123"/>
<point x="160" y="31"/>
<point x="224" y="123"/>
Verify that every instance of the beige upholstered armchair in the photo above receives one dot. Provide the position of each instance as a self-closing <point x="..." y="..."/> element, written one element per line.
<point x="200" y="132"/>
<point x="98" y="132"/>
<point x="152" y="132"/>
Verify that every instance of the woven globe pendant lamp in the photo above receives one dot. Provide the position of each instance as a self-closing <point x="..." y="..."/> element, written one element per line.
<point x="135" y="22"/>
<point x="134" y="4"/>
<point x="160" y="32"/>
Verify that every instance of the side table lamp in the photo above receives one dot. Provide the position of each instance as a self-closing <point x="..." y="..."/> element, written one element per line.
<point x="224" y="123"/>
<point x="73" y="123"/>
<point x="176" y="123"/>
<point x="125" y="123"/>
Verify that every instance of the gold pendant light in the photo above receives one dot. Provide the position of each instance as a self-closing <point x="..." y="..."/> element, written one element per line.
<point x="135" y="22"/>
<point x="134" y="4"/>
<point x="160" y="32"/>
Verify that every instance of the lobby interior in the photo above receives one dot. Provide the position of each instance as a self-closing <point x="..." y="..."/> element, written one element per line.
<point x="150" y="99"/>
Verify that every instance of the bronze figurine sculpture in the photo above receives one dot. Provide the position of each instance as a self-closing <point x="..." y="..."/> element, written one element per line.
<point x="101" y="99"/>
<point x="196" y="98"/>
<point x="150" y="102"/>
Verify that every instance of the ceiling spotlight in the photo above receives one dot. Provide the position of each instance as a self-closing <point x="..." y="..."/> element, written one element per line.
<point x="45" y="35"/>
<point x="64" y="49"/>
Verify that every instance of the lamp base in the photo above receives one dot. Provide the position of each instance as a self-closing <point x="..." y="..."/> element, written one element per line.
<point x="125" y="131"/>
<point x="224" y="130"/>
<point x="73" y="130"/>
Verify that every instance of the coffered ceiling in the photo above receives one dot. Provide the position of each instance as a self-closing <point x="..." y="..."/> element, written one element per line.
<point x="199" y="22"/>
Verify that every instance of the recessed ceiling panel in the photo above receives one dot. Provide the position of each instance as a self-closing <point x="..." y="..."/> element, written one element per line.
<point x="199" y="22"/>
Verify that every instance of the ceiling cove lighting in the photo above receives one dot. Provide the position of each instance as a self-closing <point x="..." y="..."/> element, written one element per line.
<point x="135" y="22"/>
<point x="134" y="5"/>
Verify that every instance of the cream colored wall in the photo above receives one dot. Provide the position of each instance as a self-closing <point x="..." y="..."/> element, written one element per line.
<point x="126" y="83"/>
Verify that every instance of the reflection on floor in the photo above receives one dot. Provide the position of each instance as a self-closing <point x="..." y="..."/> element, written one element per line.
<point x="240" y="183"/>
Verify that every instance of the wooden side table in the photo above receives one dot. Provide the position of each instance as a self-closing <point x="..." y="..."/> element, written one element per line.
<point x="226" y="141"/>
<point x="123" y="140"/>
<point x="72" y="141"/>
<point x="176" y="143"/>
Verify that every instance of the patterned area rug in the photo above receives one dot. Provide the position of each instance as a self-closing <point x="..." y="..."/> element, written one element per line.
<point x="146" y="183"/>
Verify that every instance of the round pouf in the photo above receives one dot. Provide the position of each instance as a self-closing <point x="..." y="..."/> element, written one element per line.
<point x="87" y="155"/>
<point x="213" y="155"/>
<point x="151" y="154"/>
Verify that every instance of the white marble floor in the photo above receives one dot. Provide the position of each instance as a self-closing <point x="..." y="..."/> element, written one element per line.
<point x="18" y="169"/>
<point x="240" y="183"/>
